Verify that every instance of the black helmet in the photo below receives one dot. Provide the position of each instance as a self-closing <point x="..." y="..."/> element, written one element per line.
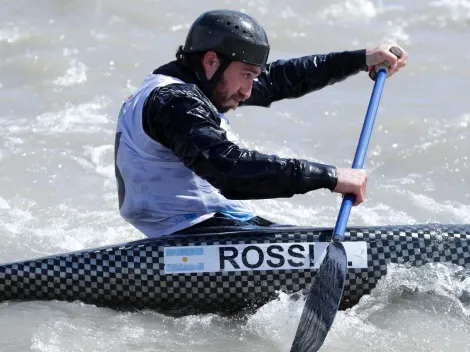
<point x="233" y="34"/>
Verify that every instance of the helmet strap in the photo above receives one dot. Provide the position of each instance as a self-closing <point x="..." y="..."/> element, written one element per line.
<point x="207" y="86"/>
<point x="224" y="63"/>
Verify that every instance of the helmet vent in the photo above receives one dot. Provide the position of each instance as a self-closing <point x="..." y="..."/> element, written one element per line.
<point x="228" y="23"/>
<point x="230" y="33"/>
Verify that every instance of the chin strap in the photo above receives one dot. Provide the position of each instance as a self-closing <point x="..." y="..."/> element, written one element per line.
<point x="207" y="86"/>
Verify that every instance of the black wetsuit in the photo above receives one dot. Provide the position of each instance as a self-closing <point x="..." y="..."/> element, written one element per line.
<point x="179" y="117"/>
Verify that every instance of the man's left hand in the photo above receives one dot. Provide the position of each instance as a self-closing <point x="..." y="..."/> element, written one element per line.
<point x="382" y="55"/>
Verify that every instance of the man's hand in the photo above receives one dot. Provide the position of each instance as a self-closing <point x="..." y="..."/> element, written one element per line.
<point x="352" y="181"/>
<point x="382" y="54"/>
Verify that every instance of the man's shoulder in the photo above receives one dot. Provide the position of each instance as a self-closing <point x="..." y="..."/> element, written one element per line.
<point x="178" y="97"/>
<point x="172" y="87"/>
<point x="183" y="89"/>
<point x="185" y="94"/>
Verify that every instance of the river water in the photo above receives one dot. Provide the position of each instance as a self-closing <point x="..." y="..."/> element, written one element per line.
<point x="65" y="69"/>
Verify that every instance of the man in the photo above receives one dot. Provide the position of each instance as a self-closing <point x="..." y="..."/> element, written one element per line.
<point x="179" y="167"/>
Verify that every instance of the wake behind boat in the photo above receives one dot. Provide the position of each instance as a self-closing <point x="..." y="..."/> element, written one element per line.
<point x="226" y="272"/>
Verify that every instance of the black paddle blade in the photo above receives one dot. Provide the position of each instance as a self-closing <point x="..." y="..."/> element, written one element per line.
<point x="322" y="302"/>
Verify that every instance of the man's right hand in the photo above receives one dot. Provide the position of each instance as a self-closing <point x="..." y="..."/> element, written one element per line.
<point x="352" y="181"/>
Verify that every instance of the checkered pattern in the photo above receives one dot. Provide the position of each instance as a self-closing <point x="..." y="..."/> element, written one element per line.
<point x="132" y="275"/>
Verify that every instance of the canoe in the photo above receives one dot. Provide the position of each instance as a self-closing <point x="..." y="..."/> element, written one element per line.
<point x="226" y="272"/>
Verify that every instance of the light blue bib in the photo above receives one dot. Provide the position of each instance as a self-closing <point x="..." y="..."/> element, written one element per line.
<point x="161" y="195"/>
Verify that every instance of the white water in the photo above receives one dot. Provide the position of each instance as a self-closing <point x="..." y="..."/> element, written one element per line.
<point x="65" y="68"/>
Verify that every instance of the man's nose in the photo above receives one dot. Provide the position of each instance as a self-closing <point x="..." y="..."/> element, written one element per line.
<point x="246" y="90"/>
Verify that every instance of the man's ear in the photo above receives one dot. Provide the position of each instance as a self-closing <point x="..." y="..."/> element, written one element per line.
<point x="211" y="63"/>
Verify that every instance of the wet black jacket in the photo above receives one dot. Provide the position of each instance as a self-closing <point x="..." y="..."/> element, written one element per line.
<point x="181" y="118"/>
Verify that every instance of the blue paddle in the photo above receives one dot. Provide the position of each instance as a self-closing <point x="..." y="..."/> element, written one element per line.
<point x="326" y="290"/>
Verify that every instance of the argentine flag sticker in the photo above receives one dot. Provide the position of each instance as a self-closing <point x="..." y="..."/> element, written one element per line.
<point x="184" y="259"/>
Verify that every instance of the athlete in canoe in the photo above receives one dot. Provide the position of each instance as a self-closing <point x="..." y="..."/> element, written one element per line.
<point x="178" y="165"/>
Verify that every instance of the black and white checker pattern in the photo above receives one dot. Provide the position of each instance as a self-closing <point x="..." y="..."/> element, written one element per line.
<point x="132" y="276"/>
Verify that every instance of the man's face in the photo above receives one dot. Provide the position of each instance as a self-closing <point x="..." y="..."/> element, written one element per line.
<point x="234" y="86"/>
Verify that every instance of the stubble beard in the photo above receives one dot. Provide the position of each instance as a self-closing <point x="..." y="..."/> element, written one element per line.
<point x="220" y="95"/>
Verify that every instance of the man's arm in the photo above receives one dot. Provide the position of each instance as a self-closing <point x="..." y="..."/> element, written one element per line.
<point x="296" y="77"/>
<point x="186" y="124"/>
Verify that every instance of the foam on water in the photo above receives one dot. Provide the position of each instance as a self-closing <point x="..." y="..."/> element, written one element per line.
<point x="86" y="118"/>
<point x="4" y="204"/>
<point x="379" y="214"/>
<point x="361" y="9"/>
<point x="102" y="162"/>
<point x="454" y="211"/>
<point x="421" y="309"/>
<point x="10" y="34"/>
<point x="76" y="74"/>
<point x="29" y="233"/>
<point x="399" y="315"/>
<point x="453" y="10"/>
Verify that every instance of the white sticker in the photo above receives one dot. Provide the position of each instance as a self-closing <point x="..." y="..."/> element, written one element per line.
<point x="262" y="256"/>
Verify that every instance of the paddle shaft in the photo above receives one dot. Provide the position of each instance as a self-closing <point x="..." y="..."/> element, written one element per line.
<point x="326" y="290"/>
<point x="363" y="144"/>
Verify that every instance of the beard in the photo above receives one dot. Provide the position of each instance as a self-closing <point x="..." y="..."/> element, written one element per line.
<point x="222" y="98"/>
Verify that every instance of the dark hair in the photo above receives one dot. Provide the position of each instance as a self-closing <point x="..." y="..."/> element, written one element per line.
<point x="180" y="55"/>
